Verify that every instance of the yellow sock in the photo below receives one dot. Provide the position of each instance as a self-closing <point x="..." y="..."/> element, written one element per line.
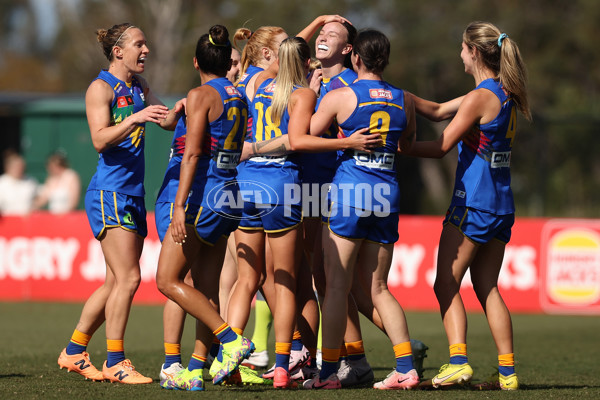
<point x="404" y="359"/>
<point x="263" y="321"/>
<point x="114" y="345"/>
<point x="506" y="364"/>
<point x="238" y="331"/>
<point x="355" y="350"/>
<point x="458" y="353"/>
<point x="343" y="351"/>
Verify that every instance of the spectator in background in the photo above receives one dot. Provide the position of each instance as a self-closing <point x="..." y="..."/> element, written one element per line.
<point x="17" y="191"/>
<point x="62" y="188"/>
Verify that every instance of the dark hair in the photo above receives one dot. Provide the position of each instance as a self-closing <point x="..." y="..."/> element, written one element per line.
<point x="213" y="51"/>
<point x="373" y="48"/>
<point x="350" y="40"/>
<point x="111" y="37"/>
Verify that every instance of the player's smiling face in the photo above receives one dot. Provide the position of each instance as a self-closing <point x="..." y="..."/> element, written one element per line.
<point x="135" y="51"/>
<point x="332" y="42"/>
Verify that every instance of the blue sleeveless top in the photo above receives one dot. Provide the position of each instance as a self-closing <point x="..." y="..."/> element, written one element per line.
<point x="483" y="171"/>
<point x="370" y="178"/>
<point x="275" y="171"/>
<point x="121" y="167"/>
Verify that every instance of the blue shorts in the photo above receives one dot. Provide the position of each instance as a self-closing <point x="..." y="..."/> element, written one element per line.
<point x="271" y="218"/>
<point x="315" y="203"/>
<point x="356" y="224"/>
<point x="107" y="209"/>
<point x="163" y="213"/>
<point x="480" y="226"/>
<point x="212" y="226"/>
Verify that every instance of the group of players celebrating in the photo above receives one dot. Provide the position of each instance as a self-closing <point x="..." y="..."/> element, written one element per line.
<point x="332" y="126"/>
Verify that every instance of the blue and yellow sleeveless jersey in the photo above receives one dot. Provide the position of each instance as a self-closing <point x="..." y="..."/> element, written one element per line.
<point x="121" y="167"/>
<point x="223" y="146"/>
<point x="483" y="172"/>
<point x="370" y="179"/>
<point x="276" y="171"/>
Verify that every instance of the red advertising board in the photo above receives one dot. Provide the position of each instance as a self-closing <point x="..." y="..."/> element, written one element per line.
<point x="549" y="265"/>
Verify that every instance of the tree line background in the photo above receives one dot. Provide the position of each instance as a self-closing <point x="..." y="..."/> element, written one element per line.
<point x="555" y="161"/>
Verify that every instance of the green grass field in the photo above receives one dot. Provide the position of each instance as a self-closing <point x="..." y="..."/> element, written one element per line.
<point x="557" y="357"/>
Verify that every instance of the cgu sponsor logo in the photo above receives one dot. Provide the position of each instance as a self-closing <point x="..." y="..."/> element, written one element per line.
<point x="228" y="199"/>
<point x="573" y="267"/>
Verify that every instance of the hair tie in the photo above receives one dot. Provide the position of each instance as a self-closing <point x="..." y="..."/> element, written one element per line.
<point x="126" y="29"/>
<point x="501" y="38"/>
<point x="210" y="39"/>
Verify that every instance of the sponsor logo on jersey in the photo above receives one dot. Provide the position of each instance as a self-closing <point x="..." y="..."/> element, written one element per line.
<point x="460" y="193"/>
<point x="380" y="94"/>
<point x="232" y="91"/>
<point x="124" y="101"/>
<point x="128" y="219"/>
<point x="500" y="159"/>
<point x="269" y="159"/>
<point x="270" y="87"/>
<point x="376" y="159"/>
<point x="227" y="160"/>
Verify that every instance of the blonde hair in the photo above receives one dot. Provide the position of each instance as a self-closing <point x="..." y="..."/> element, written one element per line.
<point x="293" y="55"/>
<point x="501" y="55"/>
<point x="262" y="37"/>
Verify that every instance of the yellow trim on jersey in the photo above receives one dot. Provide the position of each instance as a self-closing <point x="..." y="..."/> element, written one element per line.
<point x="266" y="96"/>
<point x="233" y="99"/>
<point x="372" y="103"/>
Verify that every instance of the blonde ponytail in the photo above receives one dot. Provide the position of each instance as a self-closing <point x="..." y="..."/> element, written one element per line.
<point x="501" y="55"/>
<point x="293" y="56"/>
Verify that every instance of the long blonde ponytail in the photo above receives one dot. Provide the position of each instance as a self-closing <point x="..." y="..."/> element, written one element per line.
<point x="293" y="56"/>
<point x="501" y="55"/>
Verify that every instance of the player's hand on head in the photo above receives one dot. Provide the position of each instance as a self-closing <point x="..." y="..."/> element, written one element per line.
<point x="334" y="18"/>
